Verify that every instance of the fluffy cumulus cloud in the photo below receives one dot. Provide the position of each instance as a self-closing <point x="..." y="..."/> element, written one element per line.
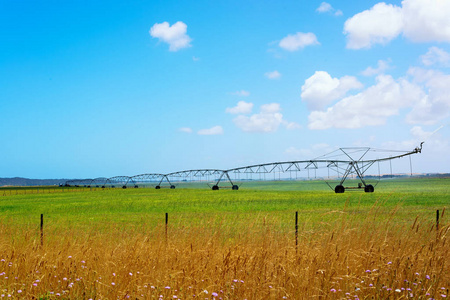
<point x="417" y="20"/>
<point x="211" y="131"/>
<point x="437" y="57"/>
<point x="435" y="105"/>
<point x="273" y="75"/>
<point x="300" y="40"/>
<point x="268" y="119"/>
<point x="426" y="20"/>
<point x="327" y="8"/>
<point x="324" y="7"/>
<point x="370" y="107"/>
<point x="380" y="69"/>
<point x="174" y="35"/>
<point x="242" y="107"/>
<point x="435" y="145"/>
<point x="421" y="97"/>
<point x="378" y="25"/>
<point x="420" y="134"/>
<point x="321" y="89"/>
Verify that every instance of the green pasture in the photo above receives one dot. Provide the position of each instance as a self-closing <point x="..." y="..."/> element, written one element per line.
<point x="195" y="205"/>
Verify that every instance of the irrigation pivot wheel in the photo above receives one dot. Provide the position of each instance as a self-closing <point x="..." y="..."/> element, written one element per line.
<point x="339" y="189"/>
<point x="369" y="188"/>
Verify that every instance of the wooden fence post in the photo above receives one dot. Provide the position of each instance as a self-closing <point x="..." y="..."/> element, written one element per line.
<point x="167" y="221"/>
<point x="296" y="230"/>
<point x="42" y="229"/>
<point x="437" y="219"/>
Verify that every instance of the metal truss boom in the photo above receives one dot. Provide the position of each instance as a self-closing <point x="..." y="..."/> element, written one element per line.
<point x="345" y="161"/>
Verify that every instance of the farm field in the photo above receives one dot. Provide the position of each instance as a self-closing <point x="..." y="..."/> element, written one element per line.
<point x="114" y="243"/>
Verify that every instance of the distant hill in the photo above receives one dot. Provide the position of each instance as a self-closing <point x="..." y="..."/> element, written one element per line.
<point x="19" y="181"/>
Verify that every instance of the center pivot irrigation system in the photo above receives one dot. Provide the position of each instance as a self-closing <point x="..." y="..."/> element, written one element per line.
<point x="340" y="165"/>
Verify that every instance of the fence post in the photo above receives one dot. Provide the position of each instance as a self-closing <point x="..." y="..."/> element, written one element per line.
<point x="167" y="221"/>
<point x="42" y="229"/>
<point x="437" y="219"/>
<point x="296" y="230"/>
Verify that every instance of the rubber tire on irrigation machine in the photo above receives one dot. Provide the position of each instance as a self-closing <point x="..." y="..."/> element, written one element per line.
<point x="235" y="187"/>
<point x="172" y="187"/>
<point x="157" y="187"/>
<point x="215" y="187"/>
<point x="369" y="188"/>
<point x="339" y="189"/>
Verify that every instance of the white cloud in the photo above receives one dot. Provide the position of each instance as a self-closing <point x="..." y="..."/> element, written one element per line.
<point x="420" y="134"/>
<point x="261" y="122"/>
<point x="293" y="126"/>
<point x="321" y="89"/>
<point x="371" y="107"/>
<point x="309" y="153"/>
<point x="186" y="129"/>
<point x="299" y="153"/>
<point x="270" y="108"/>
<point x="427" y="20"/>
<point x="434" y="142"/>
<point x="241" y="93"/>
<point x="421" y="96"/>
<point x="241" y="108"/>
<point x="268" y="120"/>
<point x="436" y="56"/>
<point x="435" y="105"/>
<point x="417" y="20"/>
<point x="435" y="148"/>
<point x="174" y="35"/>
<point x="382" y="66"/>
<point x="300" y="40"/>
<point x="378" y="25"/>
<point x="211" y="131"/>
<point x="326" y="7"/>
<point x="273" y="75"/>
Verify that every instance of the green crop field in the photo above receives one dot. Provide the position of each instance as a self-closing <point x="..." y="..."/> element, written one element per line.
<point x="280" y="199"/>
<point x="226" y="244"/>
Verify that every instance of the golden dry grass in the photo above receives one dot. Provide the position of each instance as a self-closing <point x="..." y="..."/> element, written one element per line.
<point x="347" y="258"/>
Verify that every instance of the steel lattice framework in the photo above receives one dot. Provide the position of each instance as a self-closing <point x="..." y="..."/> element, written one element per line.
<point x="344" y="162"/>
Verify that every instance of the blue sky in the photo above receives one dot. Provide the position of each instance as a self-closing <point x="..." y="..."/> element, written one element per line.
<point x="106" y="88"/>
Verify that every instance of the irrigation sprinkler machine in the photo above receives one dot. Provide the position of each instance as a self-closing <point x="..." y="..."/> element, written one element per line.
<point x="340" y="165"/>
